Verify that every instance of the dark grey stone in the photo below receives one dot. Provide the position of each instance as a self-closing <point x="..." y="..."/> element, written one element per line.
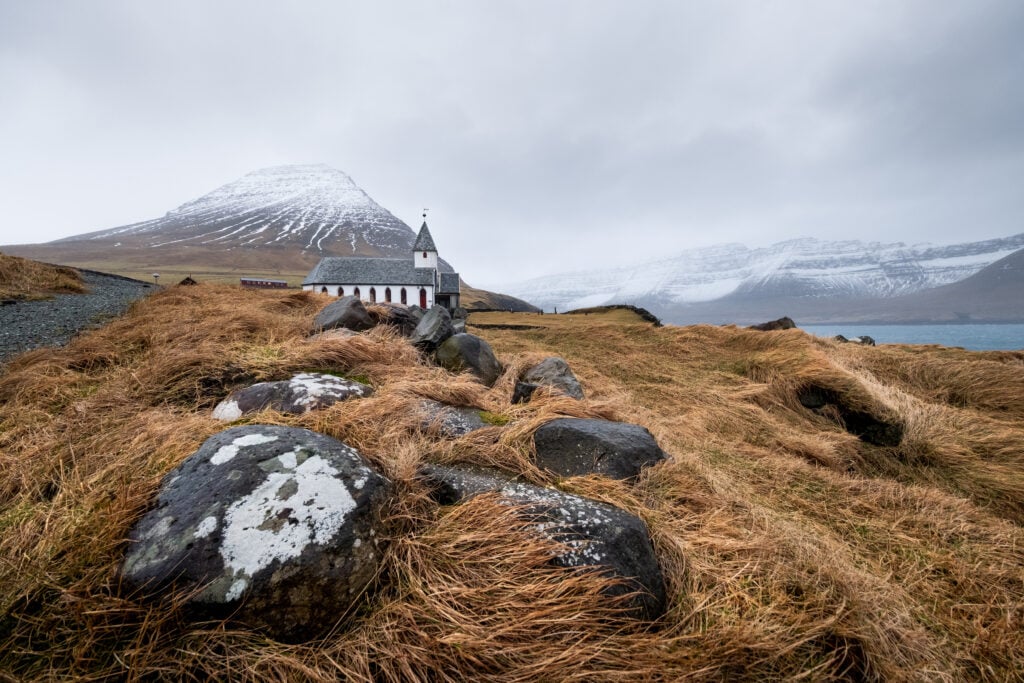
<point x="874" y="429"/>
<point x="783" y="323"/>
<point x="397" y="316"/>
<point x="597" y="534"/>
<point x="348" y="312"/>
<point x="300" y="394"/>
<point x="523" y="392"/>
<point x="469" y="352"/>
<point x="433" y="329"/>
<point x="460" y="313"/>
<point x="450" y="420"/>
<point x="575" y="446"/>
<point x="554" y="372"/>
<point x="270" y="525"/>
<point x="459" y="326"/>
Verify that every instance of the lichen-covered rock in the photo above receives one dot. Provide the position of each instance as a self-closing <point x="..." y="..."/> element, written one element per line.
<point x="469" y="352"/>
<point x="433" y="329"/>
<point x="554" y="372"/>
<point x="271" y="525"/>
<point x="347" y="312"/>
<point x="596" y="534"/>
<point x="523" y="392"/>
<point x="449" y="420"/>
<point x="300" y="394"/>
<point x="575" y="446"/>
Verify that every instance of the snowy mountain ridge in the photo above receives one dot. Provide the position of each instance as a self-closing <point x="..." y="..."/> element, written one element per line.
<point x="803" y="267"/>
<point x="314" y="207"/>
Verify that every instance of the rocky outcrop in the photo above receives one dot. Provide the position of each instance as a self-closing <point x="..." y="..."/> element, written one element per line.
<point x="870" y="428"/>
<point x="554" y="372"/>
<point x="270" y="525"/>
<point x="595" y="534"/>
<point x="573" y="446"/>
<point x="300" y="394"/>
<point x="432" y="330"/>
<point x="469" y="352"/>
<point x="783" y="323"/>
<point x="347" y="312"/>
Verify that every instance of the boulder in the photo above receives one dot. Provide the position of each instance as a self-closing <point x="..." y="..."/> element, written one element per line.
<point x="864" y="339"/>
<point x="450" y="420"/>
<point x="396" y="315"/>
<point x="784" y="323"/>
<point x="554" y="372"/>
<point x="595" y="534"/>
<point x="459" y="326"/>
<point x="460" y="313"/>
<point x="270" y="525"/>
<point x="572" y="447"/>
<point x="300" y="394"/>
<point x="469" y="352"/>
<point x="873" y="429"/>
<point x="433" y="329"/>
<point x="347" y="312"/>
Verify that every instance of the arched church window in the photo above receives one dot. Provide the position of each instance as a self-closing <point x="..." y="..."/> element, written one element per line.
<point x="405" y="298"/>
<point x="355" y="292"/>
<point x="373" y="295"/>
<point x="341" y="291"/>
<point x="387" y="294"/>
<point x="323" y="290"/>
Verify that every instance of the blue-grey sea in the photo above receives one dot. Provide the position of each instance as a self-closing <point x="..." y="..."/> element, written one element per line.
<point x="974" y="337"/>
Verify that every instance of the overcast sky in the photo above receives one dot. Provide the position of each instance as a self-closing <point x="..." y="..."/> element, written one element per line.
<point x="544" y="136"/>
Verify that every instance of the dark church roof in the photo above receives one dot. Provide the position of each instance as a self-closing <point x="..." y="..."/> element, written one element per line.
<point x="424" y="242"/>
<point x="449" y="283"/>
<point x="344" y="270"/>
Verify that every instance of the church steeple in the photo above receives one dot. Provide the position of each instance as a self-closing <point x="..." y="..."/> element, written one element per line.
<point x="424" y="251"/>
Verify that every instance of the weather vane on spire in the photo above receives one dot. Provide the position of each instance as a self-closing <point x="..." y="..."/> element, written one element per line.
<point x="425" y="213"/>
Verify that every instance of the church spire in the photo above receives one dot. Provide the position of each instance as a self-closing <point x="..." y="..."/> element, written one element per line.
<point x="424" y="251"/>
<point x="424" y="241"/>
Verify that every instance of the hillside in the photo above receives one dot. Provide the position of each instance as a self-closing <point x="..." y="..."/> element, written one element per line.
<point x="24" y="279"/>
<point x="792" y="548"/>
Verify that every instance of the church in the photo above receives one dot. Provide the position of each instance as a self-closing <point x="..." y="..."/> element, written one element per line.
<point x="417" y="280"/>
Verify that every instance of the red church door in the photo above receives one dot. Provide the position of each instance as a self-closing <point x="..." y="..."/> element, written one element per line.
<point x="423" y="297"/>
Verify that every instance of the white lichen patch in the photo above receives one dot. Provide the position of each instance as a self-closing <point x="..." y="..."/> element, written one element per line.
<point x="309" y="388"/>
<point x="264" y="527"/>
<point x="161" y="528"/>
<point x="226" y="453"/>
<point x="235" y="591"/>
<point x="227" y="411"/>
<point x="206" y="527"/>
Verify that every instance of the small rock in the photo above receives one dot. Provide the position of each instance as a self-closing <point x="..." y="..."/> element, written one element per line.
<point x="459" y="326"/>
<point x="433" y="329"/>
<point x="869" y="428"/>
<point x="865" y="340"/>
<point x="597" y="534"/>
<point x="555" y="372"/>
<point x="523" y="392"/>
<point x="469" y="352"/>
<point x="300" y="394"/>
<point x="460" y="313"/>
<point x="450" y="420"/>
<point x="348" y="312"/>
<point x="840" y="338"/>
<point x="270" y="525"/>
<point x="575" y="446"/>
<point x="783" y="323"/>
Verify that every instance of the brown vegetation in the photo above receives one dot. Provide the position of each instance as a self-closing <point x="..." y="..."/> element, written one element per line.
<point x="793" y="550"/>
<point x="24" y="279"/>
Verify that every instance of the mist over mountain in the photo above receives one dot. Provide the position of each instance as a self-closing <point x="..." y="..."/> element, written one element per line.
<point x="822" y="280"/>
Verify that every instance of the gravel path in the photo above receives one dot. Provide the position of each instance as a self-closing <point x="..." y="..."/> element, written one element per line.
<point x="30" y="324"/>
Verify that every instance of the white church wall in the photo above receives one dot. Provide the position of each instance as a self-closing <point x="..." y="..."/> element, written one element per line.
<point x="425" y="259"/>
<point x="412" y="292"/>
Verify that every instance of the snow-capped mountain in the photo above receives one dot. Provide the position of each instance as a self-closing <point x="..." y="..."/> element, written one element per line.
<point x="314" y="208"/>
<point x="801" y="268"/>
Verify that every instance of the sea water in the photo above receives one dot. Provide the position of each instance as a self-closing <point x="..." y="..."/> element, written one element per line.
<point x="975" y="337"/>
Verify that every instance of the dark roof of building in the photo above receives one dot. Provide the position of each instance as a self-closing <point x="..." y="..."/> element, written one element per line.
<point x="343" y="270"/>
<point x="424" y="242"/>
<point x="449" y="283"/>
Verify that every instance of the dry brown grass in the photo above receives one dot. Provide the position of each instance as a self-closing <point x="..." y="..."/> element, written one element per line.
<point x="24" y="279"/>
<point x="792" y="549"/>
